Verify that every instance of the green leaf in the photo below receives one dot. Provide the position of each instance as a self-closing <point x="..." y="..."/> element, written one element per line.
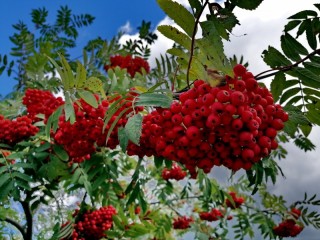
<point x="304" y="14"/>
<point x="247" y="4"/>
<point x="133" y="128"/>
<point x="306" y="129"/>
<point x="278" y="85"/>
<point x="291" y="25"/>
<point x="195" y="6"/>
<point x="291" y="47"/>
<point x="60" y="152"/>
<point x="179" y="14"/>
<point x="123" y="138"/>
<point x="274" y="58"/>
<point x="68" y="109"/>
<point x="307" y="77"/>
<point x="81" y="75"/>
<point x="153" y="100"/>
<point x="314" y="116"/>
<point x="288" y="94"/>
<point x="175" y="35"/>
<point x="88" y="97"/>
<point x="310" y="33"/>
<point x="158" y="161"/>
<point x="4" y="178"/>
<point x="6" y="189"/>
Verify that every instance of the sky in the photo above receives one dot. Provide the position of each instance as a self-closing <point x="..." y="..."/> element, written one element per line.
<point x="258" y="30"/>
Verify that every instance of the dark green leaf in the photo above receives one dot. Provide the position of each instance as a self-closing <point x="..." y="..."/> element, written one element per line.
<point x="179" y="14"/>
<point x="288" y="94"/>
<point x="274" y="58"/>
<point x="60" y="152"/>
<point x="278" y="85"/>
<point x="311" y="35"/>
<point x="307" y="77"/>
<point x="288" y="44"/>
<point x="304" y="14"/>
<point x="247" y="4"/>
<point x="306" y="129"/>
<point x="291" y="25"/>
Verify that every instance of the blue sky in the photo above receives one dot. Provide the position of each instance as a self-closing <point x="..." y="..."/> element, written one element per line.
<point x="110" y="16"/>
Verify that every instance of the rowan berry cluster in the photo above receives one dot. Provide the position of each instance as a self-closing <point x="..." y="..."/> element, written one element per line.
<point x="289" y="227"/>
<point x="182" y="222"/>
<point x="234" y="125"/>
<point x="40" y="101"/>
<point x="132" y="64"/>
<point x="16" y="130"/>
<point x="214" y="215"/>
<point x="92" y="224"/>
<point x="175" y="172"/>
<point x="238" y="201"/>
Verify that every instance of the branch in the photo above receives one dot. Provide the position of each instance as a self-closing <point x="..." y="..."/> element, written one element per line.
<point x="27" y="212"/>
<point x="285" y="68"/>
<point x="193" y="40"/>
<point x="17" y="225"/>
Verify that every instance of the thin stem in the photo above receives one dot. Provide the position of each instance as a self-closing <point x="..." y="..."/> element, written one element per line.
<point x="194" y="39"/>
<point x="16" y="225"/>
<point x="285" y="68"/>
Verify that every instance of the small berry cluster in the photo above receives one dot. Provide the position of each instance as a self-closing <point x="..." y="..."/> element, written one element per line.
<point x="234" y="125"/>
<point x="289" y="227"/>
<point x="14" y="131"/>
<point x="40" y="101"/>
<point x="238" y="201"/>
<point x="174" y="173"/>
<point x="214" y="215"/>
<point x="182" y="222"/>
<point x="92" y="224"/>
<point x="132" y="64"/>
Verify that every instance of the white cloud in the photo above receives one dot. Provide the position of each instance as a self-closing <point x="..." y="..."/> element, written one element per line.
<point x="127" y="28"/>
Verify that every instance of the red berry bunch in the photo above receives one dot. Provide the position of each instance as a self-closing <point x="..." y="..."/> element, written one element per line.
<point x="174" y="173"/>
<point x="234" y="125"/>
<point x="296" y="213"/>
<point x="214" y="215"/>
<point x="287" y="228"/>
<point x="132" y="64"/>
<point x="40" y="101"/>
<point x="238" y="201"/>
<point x="182" y="222"/>
<point x="14" y="131"/>
<point x="81" y="138"/>
<point x="92" y="224"/>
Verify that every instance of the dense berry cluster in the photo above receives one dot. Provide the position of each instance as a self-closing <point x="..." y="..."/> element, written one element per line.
<point x="287" y="228"/>
<point x="182" y="222"/>
<point x="92" y="224"/>
<point x="14" y="131"/>
<point x="174" y="173"/>
<point x="214" y="215"/>
<point x="238" y="201"/>
<point x="81" y="138"/>
<point x="132" y="64"/>
<point x="40" y="101"/>
<point x="234" y="125"/>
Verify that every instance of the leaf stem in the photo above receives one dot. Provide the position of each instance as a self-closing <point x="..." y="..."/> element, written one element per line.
<point x="194" y="39"/>
<point x="28" y="214"/>
<point x="285" y="68"/>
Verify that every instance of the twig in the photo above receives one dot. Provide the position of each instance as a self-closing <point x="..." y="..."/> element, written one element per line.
<point x="17" y="225"/>
<point x="285" y="68"/>
<point x="193" y="40"/>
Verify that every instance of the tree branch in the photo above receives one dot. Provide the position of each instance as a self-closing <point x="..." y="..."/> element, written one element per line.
<point x="285" y="68"/>
<point x="27" y="212"/>
<point x="16" y="225"/>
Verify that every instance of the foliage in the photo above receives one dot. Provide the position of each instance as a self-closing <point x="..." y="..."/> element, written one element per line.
<point x="92" y="144"/>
